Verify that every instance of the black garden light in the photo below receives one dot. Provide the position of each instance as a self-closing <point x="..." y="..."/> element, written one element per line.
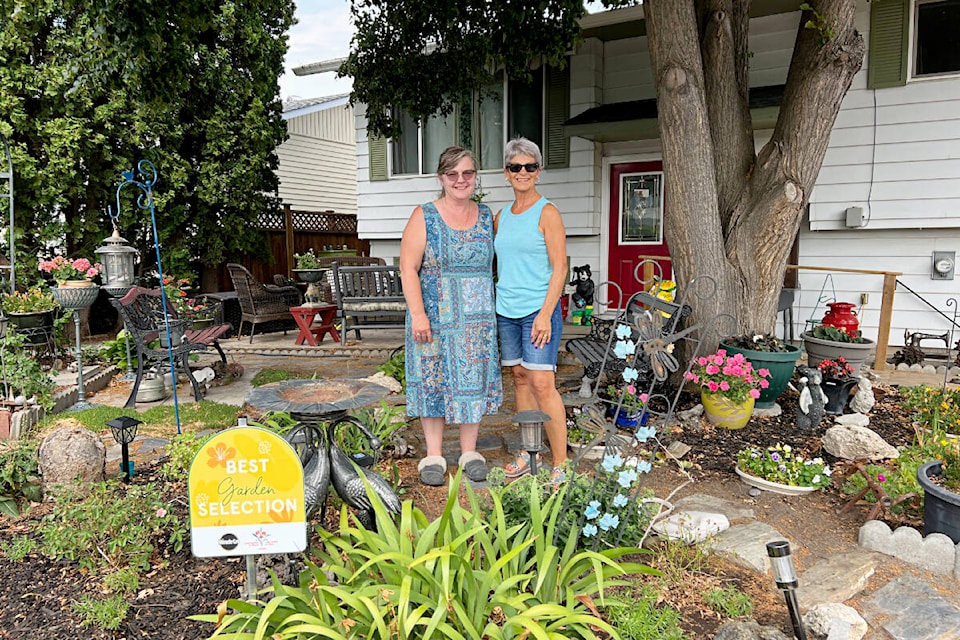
<point x="531" y="434"/>
<point x="124" y="430"/>
<point x="785" y="575"/>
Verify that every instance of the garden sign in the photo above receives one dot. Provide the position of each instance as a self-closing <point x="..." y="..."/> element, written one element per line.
<point x="246" y="496"/>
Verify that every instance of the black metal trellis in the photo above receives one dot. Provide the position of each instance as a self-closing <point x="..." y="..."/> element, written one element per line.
<point x="601" y="507"/>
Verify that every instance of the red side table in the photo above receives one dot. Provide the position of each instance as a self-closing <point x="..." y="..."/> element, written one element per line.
<point x="315" y="323"/>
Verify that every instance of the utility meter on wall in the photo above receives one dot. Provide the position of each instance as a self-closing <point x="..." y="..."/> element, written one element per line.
<point x="944" y="263"/>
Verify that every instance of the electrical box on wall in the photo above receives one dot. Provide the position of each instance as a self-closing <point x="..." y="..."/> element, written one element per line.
<point x="854" y="216"/>
<point x="943" y="265"/>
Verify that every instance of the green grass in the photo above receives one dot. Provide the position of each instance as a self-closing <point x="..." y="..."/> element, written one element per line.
<point x="157" y="421"/>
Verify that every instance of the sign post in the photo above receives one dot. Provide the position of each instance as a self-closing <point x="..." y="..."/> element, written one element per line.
<point x="246" y="498"/>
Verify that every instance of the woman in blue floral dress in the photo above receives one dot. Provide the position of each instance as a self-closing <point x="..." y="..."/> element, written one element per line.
<point x="452" y="358"/>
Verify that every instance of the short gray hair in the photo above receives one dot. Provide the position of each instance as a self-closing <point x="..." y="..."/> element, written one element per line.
<point x="521" y="147"/>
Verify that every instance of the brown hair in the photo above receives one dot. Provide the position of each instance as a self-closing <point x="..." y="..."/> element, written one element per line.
<point x="451" y="156"/>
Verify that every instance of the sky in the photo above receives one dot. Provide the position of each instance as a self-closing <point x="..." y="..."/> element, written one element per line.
<point x="322" y="33"/>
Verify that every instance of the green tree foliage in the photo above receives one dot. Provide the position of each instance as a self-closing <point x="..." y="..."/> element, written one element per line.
<point x="419" y="55"/>
<point x="89" y="89"/>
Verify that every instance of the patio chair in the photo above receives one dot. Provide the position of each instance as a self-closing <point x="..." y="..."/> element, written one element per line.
<point x="261" y="302"/>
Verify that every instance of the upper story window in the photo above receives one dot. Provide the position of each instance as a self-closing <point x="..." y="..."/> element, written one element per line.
<point x="476" y="122"/>
<point x="936" y="38"/>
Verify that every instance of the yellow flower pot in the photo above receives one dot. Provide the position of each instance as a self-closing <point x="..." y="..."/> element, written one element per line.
<point x="725" y="413"/>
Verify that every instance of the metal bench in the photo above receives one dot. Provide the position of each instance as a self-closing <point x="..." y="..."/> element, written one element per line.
<point x="595" y="350"/>
<point x="143" y="318"/>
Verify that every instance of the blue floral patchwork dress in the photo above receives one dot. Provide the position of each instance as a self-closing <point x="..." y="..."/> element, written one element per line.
<point x="457" y="375"/>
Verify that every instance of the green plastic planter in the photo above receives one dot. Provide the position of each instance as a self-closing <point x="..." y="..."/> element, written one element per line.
<point x="781" y="365"/>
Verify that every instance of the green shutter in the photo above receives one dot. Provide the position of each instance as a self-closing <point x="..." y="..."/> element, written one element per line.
<point x="556" y="147"/>
<point x="377" y="148"/>
<point x="889" y="37"/>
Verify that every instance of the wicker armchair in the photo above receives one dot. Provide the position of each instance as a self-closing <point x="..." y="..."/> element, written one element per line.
<point x="260" y="302"/>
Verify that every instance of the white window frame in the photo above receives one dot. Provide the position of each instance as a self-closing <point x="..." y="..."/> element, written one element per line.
<point x="912" y="48"/>
<point x="474" y="101"/>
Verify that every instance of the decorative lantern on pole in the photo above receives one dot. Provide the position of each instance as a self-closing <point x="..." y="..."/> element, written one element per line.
<point x="124" y="430"/>
<point x="117" y="258"/>
<point x="531" y="433"/>
<point x="785" y="575"/>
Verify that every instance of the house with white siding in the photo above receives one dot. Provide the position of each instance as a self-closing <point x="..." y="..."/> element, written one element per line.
<point x="887" y="198"/>
<point x="316" y="163"/>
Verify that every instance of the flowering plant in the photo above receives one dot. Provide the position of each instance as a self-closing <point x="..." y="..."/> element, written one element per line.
<point x="63" y="269"/>
<point x="732" y="377"/>
<point x="308" y="260"/>
<point x="779" y="464"/>
<point x="631" y="401"/>
<point x="33" y="300"/>
<point x="836" y="334"/>
<point x="758" y="342"/>
<point x="187" y="308"/>
<point x="838" y="368"/>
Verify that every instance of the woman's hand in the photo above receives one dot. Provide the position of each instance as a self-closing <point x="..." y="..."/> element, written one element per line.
<point x="420" y="329"/>
<point x="540" y="332"/>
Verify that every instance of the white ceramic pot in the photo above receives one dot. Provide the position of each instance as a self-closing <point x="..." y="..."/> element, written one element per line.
<point x="773" y="487"/>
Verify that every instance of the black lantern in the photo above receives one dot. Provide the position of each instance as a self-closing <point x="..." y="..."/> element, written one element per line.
<point x="531" y="434"/>
<point x="785" y="575"/>
<point x="117" y="258"/>
<point x="124" y="430"/>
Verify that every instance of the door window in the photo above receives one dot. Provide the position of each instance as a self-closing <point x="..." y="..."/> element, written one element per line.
<point x="641" y="212"/>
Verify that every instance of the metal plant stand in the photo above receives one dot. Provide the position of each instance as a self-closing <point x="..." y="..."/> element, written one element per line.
<point x="77" y="299"/>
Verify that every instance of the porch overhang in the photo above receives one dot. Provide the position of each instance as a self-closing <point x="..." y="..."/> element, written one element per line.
<point x="637" y="119"/>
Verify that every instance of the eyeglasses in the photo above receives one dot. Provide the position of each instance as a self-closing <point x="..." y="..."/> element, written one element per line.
<point x="454" y="176"/>
<point x="531" y="167"/>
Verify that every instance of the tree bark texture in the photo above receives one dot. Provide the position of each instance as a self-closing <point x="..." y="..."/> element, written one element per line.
<point x="731" y="214"/>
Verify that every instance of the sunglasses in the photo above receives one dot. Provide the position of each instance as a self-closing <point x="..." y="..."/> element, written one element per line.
<point x="515" y="167"/>
<point x="454" y="176"/>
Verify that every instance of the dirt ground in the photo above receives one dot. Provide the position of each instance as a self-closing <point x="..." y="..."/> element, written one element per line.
<point x="36" y="594"/>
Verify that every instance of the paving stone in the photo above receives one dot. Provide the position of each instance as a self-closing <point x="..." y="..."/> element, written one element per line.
<point x="704" y="502"/>
<point x="746" y="545"/>
<point x="910" y="609"/>
<point x="837" y="578"/>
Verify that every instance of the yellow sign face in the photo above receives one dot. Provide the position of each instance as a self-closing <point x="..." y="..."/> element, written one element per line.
<point x="246" y="496"/>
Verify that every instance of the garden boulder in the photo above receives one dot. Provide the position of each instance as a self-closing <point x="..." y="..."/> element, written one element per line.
<point x="71" y="455"/>
<point x="851" y="442"/>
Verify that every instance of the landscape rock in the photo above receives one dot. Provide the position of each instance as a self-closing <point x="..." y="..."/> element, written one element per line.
<point x="748" y="630"/>
<point x="386" y="381"/>
<point x="691" y="526"/>
<point x="857" y="443"/>
<point x="71" y="454"/>
<point x="835" y="621"/>
<point x="852" y="419"/>
<point x="863" y="400"/>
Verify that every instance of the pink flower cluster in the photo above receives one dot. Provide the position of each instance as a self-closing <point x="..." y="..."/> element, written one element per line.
<point x="64" y="269"/>
<point x="730" y="376"/>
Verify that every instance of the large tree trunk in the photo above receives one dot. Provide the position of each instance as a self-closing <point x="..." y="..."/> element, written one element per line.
<point x="729" y="215"/>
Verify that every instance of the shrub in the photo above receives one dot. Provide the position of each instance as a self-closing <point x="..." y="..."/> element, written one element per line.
<point x="19" y="481"/>
<point x="461" y="575"/>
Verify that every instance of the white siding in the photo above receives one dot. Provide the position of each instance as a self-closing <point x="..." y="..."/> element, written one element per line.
<point x="317" y="163"/>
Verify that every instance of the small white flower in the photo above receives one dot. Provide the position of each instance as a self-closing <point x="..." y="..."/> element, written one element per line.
<point x="816" y="479"/>
<point x="757" y="338"/>
<point x="827" y="472"/>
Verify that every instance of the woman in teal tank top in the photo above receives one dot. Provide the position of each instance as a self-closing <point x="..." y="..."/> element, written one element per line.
<point x="531" y="272"/>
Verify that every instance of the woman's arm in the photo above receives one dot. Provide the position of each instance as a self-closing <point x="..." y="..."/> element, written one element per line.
<point x="555" y="236"/>
<point x="412" y="245"/>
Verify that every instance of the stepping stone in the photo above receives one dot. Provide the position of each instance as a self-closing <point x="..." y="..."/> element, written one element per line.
<point x="704" y="502"/>
<point x="837" y="578"/>
<point x="910" y="609"/>
<point x="745" y="545"/>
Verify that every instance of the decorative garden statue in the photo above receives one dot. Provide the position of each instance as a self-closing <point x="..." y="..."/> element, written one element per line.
<point x="583" y="295"/>
<point x="810" y="409"/>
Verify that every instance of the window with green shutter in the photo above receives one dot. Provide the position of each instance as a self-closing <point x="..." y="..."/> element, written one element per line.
<point x="934" y="33"/>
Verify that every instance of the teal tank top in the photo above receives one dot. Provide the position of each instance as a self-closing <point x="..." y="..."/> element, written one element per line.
<point x="523" y="266"/>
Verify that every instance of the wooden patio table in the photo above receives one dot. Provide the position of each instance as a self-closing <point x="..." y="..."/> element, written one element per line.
<point x="313" y="332"/>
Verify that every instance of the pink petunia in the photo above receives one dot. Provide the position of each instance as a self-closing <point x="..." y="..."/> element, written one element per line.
<point x="754" y="393"/>
<point x="702" y="361"/>
<point x="764" y="383"/>
<point x="712" y="369"/>
<point x="713" y="386"/>
<point x="724" y="386"/>
<point x="763" y="372"/>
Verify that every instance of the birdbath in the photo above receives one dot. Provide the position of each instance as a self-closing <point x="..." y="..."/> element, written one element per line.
<point x="76" y="299"/>
<point x="315" y="401"/>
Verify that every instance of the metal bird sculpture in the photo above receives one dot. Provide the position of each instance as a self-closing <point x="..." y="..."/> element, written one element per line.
<point x="347" y="478"/>
<point x="310" y="443"/>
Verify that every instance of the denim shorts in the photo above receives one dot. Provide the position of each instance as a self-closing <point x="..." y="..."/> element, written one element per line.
<point x="515" y="345"/>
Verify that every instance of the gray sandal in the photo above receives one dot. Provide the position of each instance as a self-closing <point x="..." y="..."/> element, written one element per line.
<point x="433" y="471"/>
<point x="474" y="466"/>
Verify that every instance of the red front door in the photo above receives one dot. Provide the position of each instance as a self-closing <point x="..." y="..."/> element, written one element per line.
<point x="636" y="222"/>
